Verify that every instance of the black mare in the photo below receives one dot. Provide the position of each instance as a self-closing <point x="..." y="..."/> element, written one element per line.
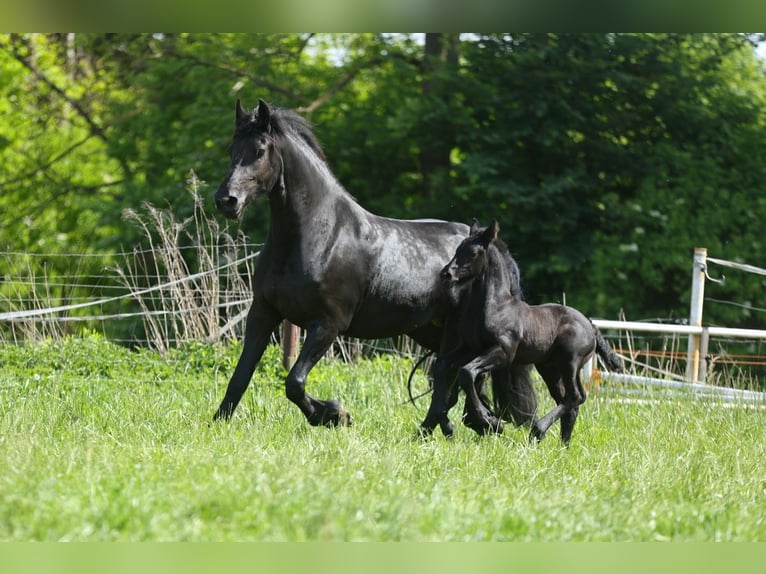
<point x="331" y="267"/>
<point x="497" y="328"/>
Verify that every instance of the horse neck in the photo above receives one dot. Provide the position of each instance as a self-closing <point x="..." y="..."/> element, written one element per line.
<point x="492" y="286"/>
<point x="309" y="192"/>
<point x="496" y="278"/>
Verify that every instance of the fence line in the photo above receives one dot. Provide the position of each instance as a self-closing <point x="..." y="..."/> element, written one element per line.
<point x="52" y="314"/>
<point x="18" y="315"/>
<point x="735" y="265"/>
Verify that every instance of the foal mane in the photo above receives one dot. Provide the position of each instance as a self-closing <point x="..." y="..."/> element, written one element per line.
<point x="512" y="267"/>
<point x="497" y="263"/>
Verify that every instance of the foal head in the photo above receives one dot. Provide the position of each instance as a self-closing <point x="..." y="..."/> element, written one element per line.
<point x="471" y="259"/>
<point x="256" y="164"/>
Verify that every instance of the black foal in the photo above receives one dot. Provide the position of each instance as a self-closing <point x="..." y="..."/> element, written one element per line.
<point x="497" y="328"/>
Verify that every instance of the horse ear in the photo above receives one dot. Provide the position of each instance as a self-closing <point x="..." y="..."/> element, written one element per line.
<point x="495" y="229"/>
<point x="475" y="227"/>
<point x="264" y="114"/>
<point x="490" y="233"/>
<point x="241" y="113"/>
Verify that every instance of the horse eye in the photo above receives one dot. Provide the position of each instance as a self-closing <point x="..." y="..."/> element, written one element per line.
<point x="259" y="152"/>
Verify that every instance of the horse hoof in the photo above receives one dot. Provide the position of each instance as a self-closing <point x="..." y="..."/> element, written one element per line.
<point x="536" y="435"/>
<point x="344" y="418"/>
<point x="448" y="429"/>
<point x="423" y="433"/>
<point x="495" y="425"/>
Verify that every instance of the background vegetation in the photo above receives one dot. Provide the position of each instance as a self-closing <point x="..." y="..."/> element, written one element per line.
<point x="606" y="157"/>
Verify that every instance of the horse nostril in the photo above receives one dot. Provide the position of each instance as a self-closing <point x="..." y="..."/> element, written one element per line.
<point x="226" y="203"/>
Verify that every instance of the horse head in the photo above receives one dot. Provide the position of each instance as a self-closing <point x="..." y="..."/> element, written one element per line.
<point x="256" y="165"/>
<point x="470" y="258"/>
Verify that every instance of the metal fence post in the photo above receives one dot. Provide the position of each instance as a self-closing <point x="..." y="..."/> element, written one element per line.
<point x="695" y="313"/>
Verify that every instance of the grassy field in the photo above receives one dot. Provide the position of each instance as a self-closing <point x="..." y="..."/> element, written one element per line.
<point x="99" y="443"/>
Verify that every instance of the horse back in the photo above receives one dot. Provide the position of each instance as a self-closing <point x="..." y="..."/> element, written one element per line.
<point x="547" y="329"/>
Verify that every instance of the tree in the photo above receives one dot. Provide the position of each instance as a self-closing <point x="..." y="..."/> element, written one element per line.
<point x="606" y="157"/>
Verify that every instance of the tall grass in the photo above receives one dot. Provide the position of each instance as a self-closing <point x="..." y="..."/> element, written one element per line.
<point x="102" y="443"/>
<point x="208" y="303"/>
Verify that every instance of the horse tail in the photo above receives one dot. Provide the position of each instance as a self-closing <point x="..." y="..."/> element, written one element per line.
<point x="415" y="367"/>
<point x="514" y="396"/>
<point x="612" y="360"/>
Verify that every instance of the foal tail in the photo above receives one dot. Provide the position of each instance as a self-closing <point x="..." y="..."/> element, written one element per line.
<point x="514" y="396"/>
<point x="612" y="360"/>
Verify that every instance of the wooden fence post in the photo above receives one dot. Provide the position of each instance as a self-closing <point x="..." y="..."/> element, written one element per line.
<point x="289" y="344"/>
<point x="695" y="313"/>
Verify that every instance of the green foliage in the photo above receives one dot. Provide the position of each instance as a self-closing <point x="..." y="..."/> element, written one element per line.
<point x="606" y="157"/>
<point x="107" y="444"/>
<point x="620" y="154"/>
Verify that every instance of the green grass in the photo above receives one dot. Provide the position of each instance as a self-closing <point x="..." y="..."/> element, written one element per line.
<point x="101" y="443"/>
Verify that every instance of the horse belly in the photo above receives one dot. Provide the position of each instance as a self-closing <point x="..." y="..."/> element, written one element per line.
<point x="404" y="292"/>
<point x="378" y="319"/>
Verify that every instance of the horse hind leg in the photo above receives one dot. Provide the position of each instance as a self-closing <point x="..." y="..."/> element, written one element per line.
<point x="443" y="397"/>
<point x="569" y="418"/>
<point x="318" y="339"/>
<point x="515" y="399"/>
<point x="552" y="377"/>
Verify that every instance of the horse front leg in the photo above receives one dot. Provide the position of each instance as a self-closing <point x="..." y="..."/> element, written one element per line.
<point x="319" y="337"/>
<point x="478" y="416"/>
<point x="444" y="395"/>
<point x="261" y="322"/>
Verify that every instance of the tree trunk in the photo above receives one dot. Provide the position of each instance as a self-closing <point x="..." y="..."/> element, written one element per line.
<point x="440" y="57"/>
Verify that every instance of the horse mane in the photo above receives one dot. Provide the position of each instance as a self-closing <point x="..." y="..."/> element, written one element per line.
<point x="512" y="267"/>
<point x="284" y="122"/>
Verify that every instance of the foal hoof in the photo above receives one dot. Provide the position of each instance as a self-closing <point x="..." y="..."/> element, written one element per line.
<point x="536" y="434"/>
<point x="483" y="426"/>
<point x="340" y="419"/>
<point x="495" y="425"/>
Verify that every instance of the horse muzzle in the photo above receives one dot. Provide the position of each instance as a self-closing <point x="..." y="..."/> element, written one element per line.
<point x="229" y="205"/>
<point x="448" y="275"/>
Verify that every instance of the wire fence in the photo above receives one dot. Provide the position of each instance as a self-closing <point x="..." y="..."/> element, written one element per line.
<point x="191" y="282"/>
<point x="163" y="296"/>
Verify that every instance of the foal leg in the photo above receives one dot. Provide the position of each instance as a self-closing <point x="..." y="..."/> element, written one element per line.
<point x="448" y="429"/>
<point x="565" y="387"/>
<point x="261" y="322"/>
<point x="444" y="395"/>
<point x="478" y="417"/>
<point x="576" y="398"/>
<point x="319" y="337"/>
<point x="552" y="378"/>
